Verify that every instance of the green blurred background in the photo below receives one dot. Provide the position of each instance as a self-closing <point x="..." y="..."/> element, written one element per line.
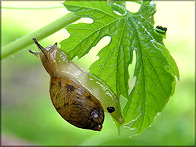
<point x="27" y="114"/>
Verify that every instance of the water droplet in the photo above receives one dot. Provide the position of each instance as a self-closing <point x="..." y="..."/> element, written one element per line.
<point x="158" y="114"/>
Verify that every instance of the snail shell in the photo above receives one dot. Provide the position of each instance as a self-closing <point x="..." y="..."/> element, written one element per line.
<point x="71" y="100"/>
<point x="75" y="104"/>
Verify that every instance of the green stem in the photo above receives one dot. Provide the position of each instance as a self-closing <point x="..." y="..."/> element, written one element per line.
<point x="33" y="8"/>
<point x="26" y="40"/>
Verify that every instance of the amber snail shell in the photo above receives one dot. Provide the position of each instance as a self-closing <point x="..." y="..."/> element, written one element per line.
<point x="75" y="104"/>
<point x="72" y="101"/>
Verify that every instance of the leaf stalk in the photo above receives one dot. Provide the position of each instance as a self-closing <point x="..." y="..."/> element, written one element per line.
<point x="47" y="30"/>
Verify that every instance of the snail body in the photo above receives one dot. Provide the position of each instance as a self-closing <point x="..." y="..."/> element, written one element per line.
<point x="79" y="97"/>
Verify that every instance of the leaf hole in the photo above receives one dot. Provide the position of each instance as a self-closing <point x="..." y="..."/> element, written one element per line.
<point x="133" y="6"/>
<point x="84" y="20"/>
<point x="131" y="70"/>
<point x="87" y="60"/>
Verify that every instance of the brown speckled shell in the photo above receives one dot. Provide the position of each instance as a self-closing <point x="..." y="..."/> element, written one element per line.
<point x="75" y="104"/>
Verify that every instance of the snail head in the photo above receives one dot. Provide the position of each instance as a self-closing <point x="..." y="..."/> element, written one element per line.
<point x="50" y="56"/>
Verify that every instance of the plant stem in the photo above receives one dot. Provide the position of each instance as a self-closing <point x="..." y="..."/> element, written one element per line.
<point x="26" y="40"/>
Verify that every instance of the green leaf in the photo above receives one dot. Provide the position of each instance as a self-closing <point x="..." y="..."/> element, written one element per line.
<point x="121" y="3"/>
<point x="155" y="69"/>
<point x="112" y="67"/>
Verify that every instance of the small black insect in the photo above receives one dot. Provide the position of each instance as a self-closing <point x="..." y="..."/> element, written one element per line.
<point x="161" y="29"/>
<point x="110" y="109"/>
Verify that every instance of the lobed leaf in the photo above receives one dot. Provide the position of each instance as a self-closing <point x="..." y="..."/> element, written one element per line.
<point x="112" y="67"/>
<point x="155" y="68"/>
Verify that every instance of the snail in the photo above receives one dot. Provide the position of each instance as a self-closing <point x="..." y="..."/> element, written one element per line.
<point x="79" y="97"/>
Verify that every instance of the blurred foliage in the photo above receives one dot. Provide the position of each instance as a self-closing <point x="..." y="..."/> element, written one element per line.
<point x="27" y="110"/>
